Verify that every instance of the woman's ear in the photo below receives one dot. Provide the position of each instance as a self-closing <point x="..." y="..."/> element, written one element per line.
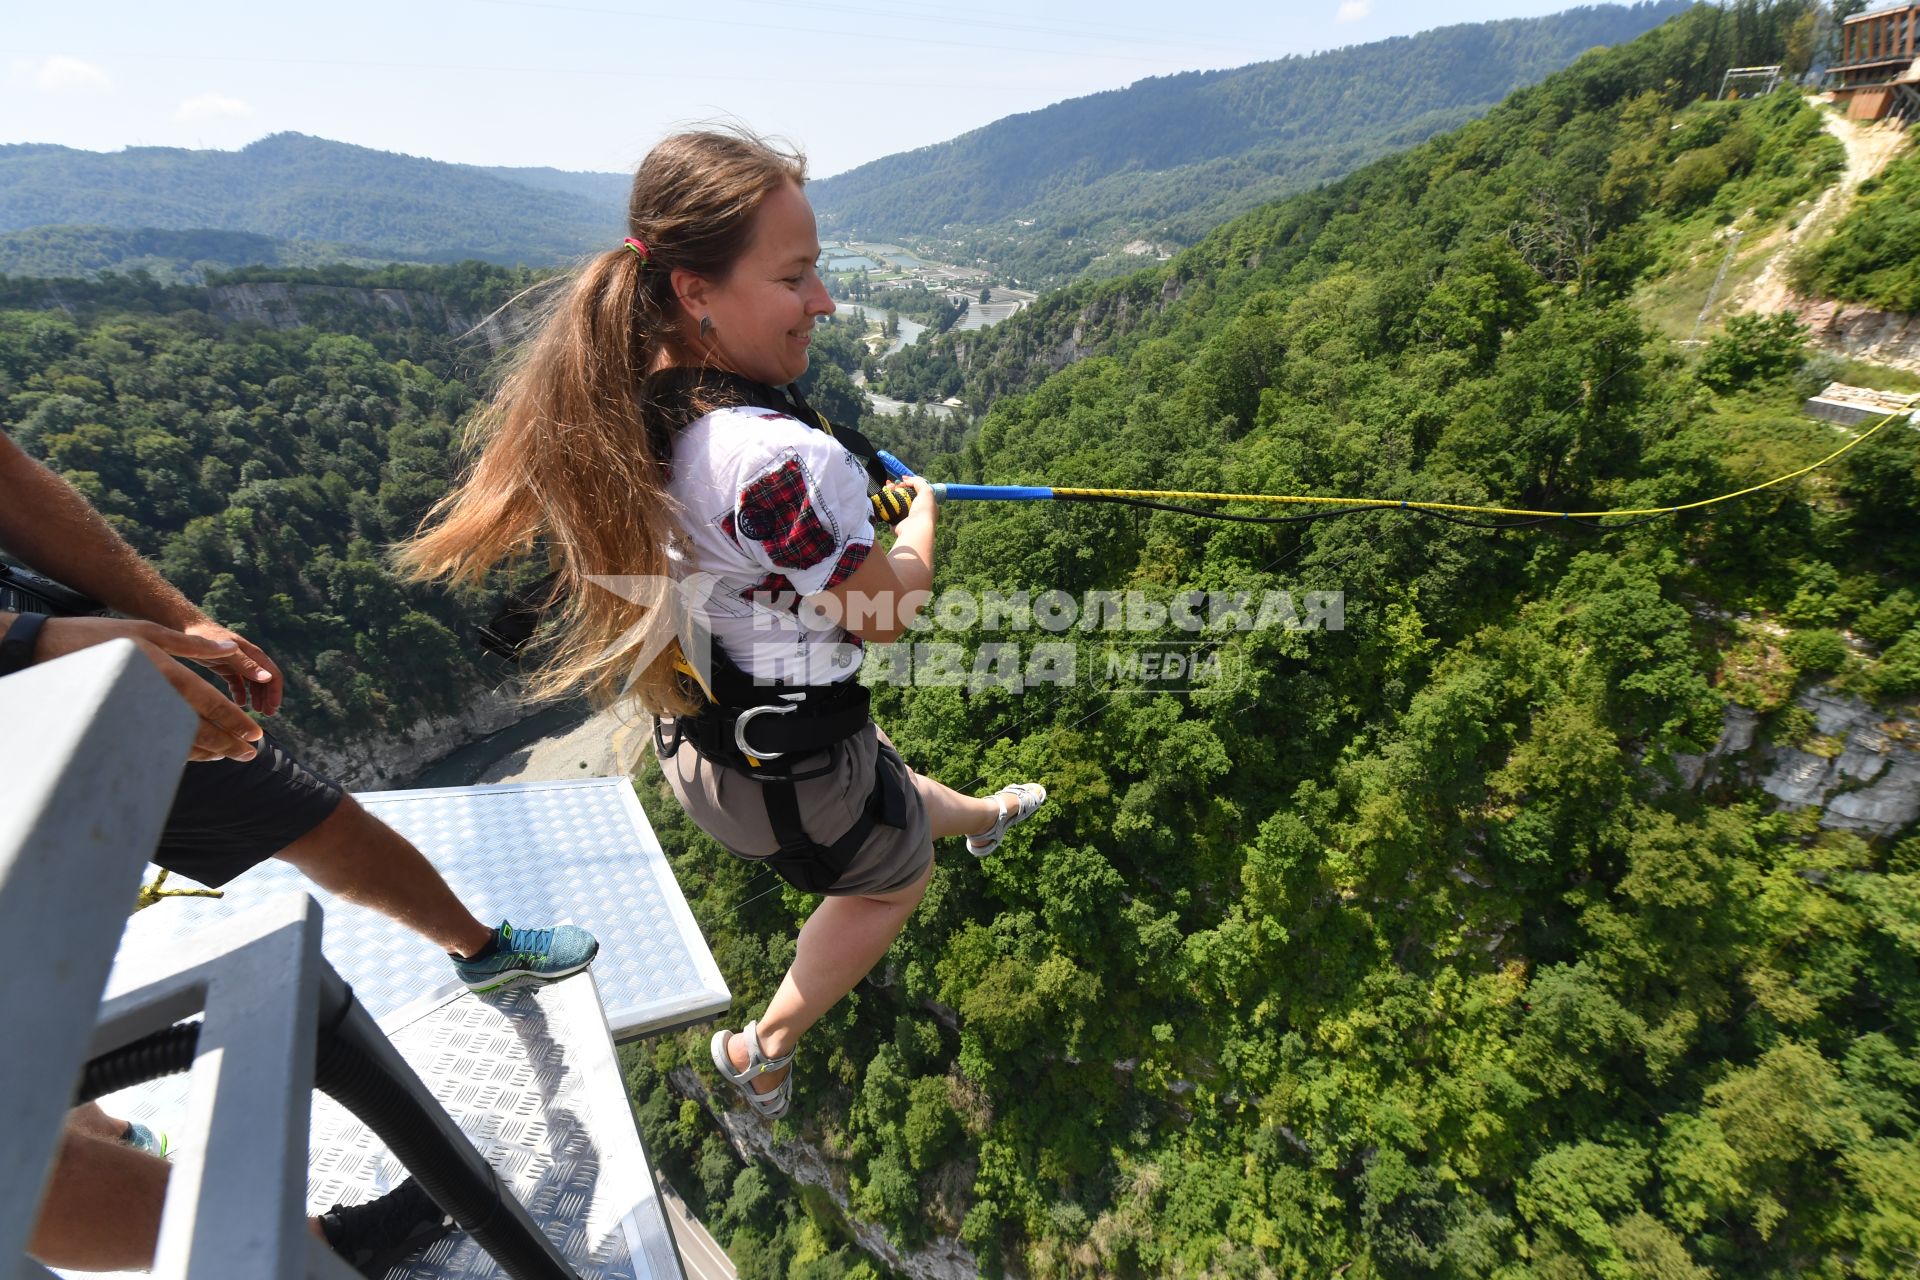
<point x="692" y="289"/>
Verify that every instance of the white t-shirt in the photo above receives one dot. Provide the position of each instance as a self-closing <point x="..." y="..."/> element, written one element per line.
<point x="776" y="511"/>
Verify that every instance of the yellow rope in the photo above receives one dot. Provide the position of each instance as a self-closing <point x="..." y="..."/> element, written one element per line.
<point x="156" y="889"/>
<point x="1300" y="499"/>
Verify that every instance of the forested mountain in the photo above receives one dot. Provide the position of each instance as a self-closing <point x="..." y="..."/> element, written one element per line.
<point x="264" y="472"/>
<point x="603" y="190"/>
<point x="292" y="187"/>
<point x="1170" y="157"/>
<point x="1167" y="158"/>
<point x="172" y="257"/>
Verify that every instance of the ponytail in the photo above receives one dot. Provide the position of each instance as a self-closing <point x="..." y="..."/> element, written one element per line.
<point x="565" y="452"/>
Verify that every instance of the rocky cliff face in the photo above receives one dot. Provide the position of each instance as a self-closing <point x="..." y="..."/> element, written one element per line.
<point x="377" y="761"/>
<point x="1870" y="784"/>
<point x="752" y="1140"/>
<point x="1884" y="337"/>
<point x="288" y="306"/>
<point x="1059" y="329"/>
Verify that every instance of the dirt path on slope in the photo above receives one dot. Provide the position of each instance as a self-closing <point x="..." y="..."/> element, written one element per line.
<point x="1869" y="147"/>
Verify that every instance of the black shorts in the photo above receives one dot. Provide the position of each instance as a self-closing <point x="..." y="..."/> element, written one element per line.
<point x="229" y="815"/>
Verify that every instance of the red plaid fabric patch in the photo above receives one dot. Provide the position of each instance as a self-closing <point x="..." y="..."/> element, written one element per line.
<point x="850" y="561"/>
<point x="773" y="591"/>
<point x="777" y="512"/>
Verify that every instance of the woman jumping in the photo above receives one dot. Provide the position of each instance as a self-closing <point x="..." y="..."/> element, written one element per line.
<point x="651" y="431"/>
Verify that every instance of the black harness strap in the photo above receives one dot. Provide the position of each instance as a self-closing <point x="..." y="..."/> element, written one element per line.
<point x="670" y="399"/>
<point x="812" y="867"/>
<point x="675" y="397"/>
<point x="759" y="729"/>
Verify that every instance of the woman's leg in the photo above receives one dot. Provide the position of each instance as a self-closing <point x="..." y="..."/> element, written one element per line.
<point x="845" y="937"/>
<point x="953" y="814"/>
<point x="839" y="945"/>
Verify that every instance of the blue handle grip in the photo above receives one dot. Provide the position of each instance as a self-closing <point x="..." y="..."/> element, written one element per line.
<point x="991" y="493"/>
<point x="895" y="468"/>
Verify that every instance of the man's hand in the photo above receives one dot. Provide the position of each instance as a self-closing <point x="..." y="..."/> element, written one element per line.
<point x="249" y="673"/>
<point x="225" y="732"/>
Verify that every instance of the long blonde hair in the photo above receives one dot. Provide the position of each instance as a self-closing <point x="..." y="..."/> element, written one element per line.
<point x="567" y="451"/>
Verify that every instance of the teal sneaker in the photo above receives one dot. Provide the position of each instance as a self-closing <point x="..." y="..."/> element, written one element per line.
<point x="543" y="954"/>
<point x="141" y="1138"/>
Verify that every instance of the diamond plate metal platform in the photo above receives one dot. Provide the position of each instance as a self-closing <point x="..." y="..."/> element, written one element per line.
<point x="536" y="853"/>
<point x="530" y="1075"/>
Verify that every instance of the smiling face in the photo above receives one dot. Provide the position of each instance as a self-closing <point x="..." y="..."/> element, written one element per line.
<point x="763" y="310"/>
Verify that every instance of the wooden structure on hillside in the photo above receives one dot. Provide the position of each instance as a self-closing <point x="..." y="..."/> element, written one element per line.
<point x="1879" y="67"/>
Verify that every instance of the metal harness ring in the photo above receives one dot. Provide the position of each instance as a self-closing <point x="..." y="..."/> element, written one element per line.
<point x="740" y="728"/>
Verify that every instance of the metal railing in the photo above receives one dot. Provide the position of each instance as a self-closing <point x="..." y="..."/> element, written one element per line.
<point x="91" y="758"/>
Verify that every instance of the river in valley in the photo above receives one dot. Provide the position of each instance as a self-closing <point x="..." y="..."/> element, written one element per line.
<point x="911" y="331"/>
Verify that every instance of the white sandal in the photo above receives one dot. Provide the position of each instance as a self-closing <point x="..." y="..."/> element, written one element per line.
<point x="773" y="1103"/>
<point x="1026" y="797"/>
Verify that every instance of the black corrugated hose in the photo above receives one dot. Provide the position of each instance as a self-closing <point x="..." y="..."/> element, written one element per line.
<point x="463" y="1184"/>
<point x="164" y="1053"/>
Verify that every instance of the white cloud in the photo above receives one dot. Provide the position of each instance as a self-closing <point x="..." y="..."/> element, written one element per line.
<point x="59" y="72"/>
<point x="1353" y="11"/>
<point x="211" y="106"/>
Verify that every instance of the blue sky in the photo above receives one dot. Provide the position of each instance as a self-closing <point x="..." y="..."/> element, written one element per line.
<point x="590" y="84"/>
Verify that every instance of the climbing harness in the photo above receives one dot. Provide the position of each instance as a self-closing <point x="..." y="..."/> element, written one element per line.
<point x="767" y="731"/>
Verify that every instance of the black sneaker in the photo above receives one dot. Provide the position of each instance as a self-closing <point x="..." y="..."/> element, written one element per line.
<point x="376" y="1236"/>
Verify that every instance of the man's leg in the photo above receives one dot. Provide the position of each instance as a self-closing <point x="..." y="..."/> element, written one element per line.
<point x="90" y="1119"/>
<point x="360" y="858"/>
<point x="231" y="815"/>
<point x="102" y="1207"/>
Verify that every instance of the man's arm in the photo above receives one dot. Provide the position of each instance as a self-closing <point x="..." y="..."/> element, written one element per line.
<point x="46" y="522"/>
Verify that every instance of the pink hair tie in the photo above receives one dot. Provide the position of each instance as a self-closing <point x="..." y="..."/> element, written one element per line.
<point x="639" y="248"/>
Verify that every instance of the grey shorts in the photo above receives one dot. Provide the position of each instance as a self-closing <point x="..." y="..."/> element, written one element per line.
<point x="229" y="815"/>
<point x="727" y="805"/>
